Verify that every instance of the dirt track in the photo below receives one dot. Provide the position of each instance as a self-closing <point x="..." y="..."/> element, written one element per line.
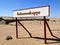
<point x="35" y="28"/>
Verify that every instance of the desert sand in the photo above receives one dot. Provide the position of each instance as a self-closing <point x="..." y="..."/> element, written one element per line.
<point x="36" y="29"/>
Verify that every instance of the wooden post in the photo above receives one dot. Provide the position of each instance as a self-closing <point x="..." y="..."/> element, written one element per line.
<point x="16" y="29"/>
<point x="45" y="30"/>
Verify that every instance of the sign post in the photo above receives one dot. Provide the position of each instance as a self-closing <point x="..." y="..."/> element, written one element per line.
<point x="45" y="30"/>
<point x="33" y="12"/>
<point x="16" y="28"/>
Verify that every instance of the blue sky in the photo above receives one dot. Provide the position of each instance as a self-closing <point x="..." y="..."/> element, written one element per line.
<point x="7" y="6"/>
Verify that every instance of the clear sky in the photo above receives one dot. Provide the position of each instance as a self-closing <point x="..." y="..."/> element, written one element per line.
<point x="7" y="6"/>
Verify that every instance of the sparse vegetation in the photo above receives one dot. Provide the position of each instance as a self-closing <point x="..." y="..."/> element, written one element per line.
<point x="54" y="20"/>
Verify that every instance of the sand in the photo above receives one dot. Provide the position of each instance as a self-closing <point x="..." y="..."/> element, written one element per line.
<point x="36" y="29"/>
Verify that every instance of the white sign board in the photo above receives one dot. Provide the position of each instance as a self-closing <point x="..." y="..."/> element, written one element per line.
<point x="32" y="12"/>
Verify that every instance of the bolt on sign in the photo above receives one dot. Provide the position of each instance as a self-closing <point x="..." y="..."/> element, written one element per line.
<point x="32" y="12"/>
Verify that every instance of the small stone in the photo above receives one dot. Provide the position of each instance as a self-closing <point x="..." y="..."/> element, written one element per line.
<point x="9" y="38"/>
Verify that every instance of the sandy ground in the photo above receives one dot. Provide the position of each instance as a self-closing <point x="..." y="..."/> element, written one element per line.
<point x="35" y="28"/>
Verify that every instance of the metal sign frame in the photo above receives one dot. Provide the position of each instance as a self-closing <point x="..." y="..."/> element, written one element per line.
<point x="45" y="24"/>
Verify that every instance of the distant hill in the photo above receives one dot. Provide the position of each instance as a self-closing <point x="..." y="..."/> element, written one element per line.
<point x="7" y="20"/>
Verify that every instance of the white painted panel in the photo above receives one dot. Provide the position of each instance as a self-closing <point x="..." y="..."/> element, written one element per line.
<point x="32" y="12"/>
